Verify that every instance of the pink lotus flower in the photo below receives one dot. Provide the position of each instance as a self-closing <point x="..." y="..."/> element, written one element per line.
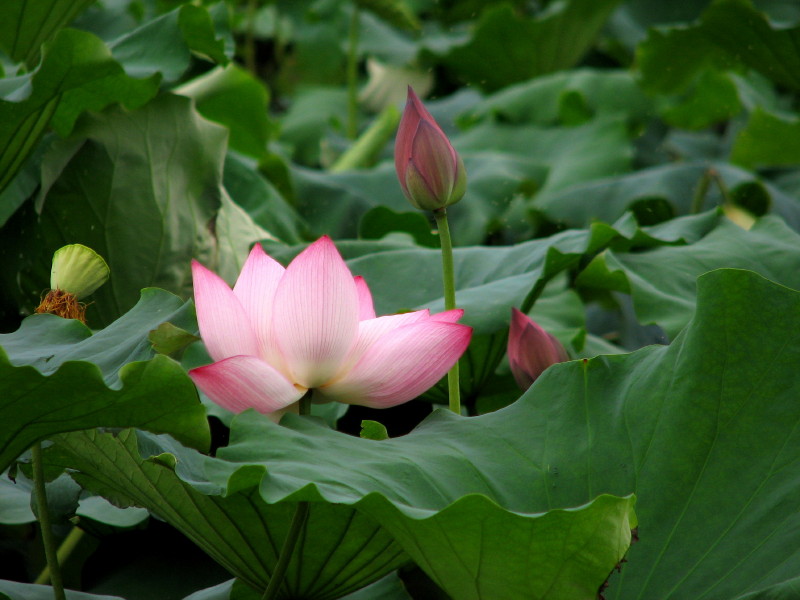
<point x="430" y="171"/>
<point x="531" y="349"/>
<point x="312" y="326"/>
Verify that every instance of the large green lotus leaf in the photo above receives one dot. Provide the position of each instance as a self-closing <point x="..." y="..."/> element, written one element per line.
<point x="165" y="45"/>
<point x="333" y="203"/>
<point x="46" y="342"/>
<point x="505" y="48"/>
<point x="23" y="185"/>
<point x="662" y="280"/>
<point x="57" y="376"/>
<point x="142" y="188"/>
<point x="729" y="33"/>
<point x="26" y="24"/>
<point x="13" y="590"/>
<point x="342" y="549"/>
<point x="232" y="97"/>
<point x="539" y="101"/>
<point x="156" y="395"/>
<point x="767" y="140"/>
<point x="490" y="280"/>
<point x="388" y="588"/>
<point x="785" y="590"/>
<point x="704" y="431"/>
<point x="663" y="191"/>
<point x="570" y="153"/>
<point x="76" y="73"/>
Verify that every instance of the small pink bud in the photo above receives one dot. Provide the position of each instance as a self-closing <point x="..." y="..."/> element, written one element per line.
<point x="531" y="349"/>
<point x="430" y="171"/>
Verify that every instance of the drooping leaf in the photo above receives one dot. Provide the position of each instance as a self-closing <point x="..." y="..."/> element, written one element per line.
<point x="23" y="185"/>
<point x="76" y="73"/>
<point x="26" y="24"/>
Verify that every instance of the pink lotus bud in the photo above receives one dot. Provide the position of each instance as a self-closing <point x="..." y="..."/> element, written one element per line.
<point x="531" y="349"/>
<point x="430" y="171"/>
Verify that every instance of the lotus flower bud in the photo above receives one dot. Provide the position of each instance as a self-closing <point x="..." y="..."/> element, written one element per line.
<point x="430" y="171"/>
<point x="531" y="349"/>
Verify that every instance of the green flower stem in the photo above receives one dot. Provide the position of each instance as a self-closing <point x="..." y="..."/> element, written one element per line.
<point x="295" y="529"/>
<point x="64" y="550"/>
<point x="448" y="276"/>
<point x="701" y="191"/>
<point x="249" y="46"/>
<point x="370" y="143"/>
<point x="352" y="75"/>
<point x="50" y="550"/>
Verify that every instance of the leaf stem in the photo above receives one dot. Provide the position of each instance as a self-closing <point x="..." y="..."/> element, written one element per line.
<point x="701" y="191"/>
<point x="723" y="189"/>
<point x="352" y="75"/>
<point x="449" y="279"/>
<point x="50" y="550"/>
<point x="249" y="47"/>
<point x="295" y="529"/>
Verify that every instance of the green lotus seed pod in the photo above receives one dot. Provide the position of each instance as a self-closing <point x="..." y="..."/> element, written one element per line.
<point x="78" y="270"/>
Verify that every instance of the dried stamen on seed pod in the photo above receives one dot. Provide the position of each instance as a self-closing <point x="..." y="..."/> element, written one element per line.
<point x="62" y="304"/>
